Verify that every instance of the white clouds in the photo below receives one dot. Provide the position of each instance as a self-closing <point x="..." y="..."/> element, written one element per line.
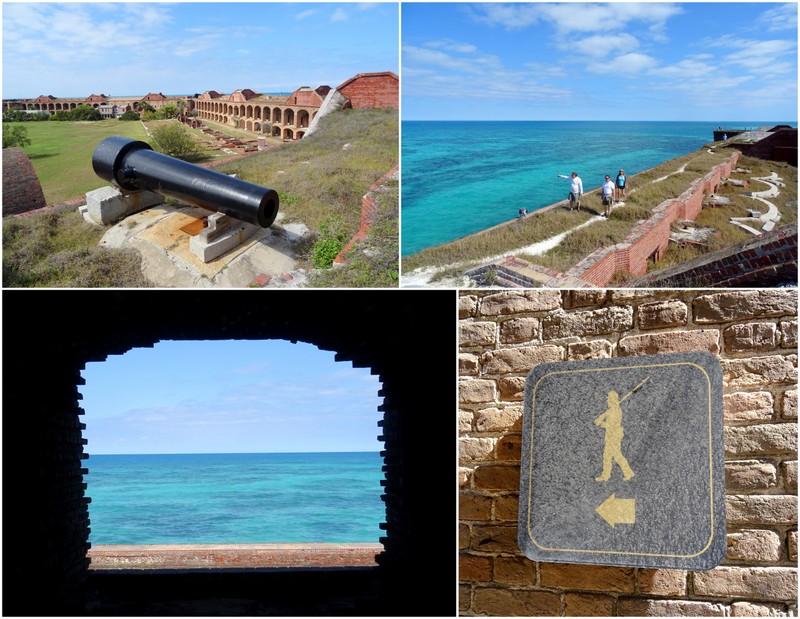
<point x="306" y="14"/>
<point x="339" y="15"/>
<point x="628" y="66"/>
<point x="783" y="17"/>
<point x="602" y="45"/>
<point x="452" y="46"/>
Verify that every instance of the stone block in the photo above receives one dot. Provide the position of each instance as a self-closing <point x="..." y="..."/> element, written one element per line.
<point x="789" y="333"/>
<point x="638" y="607"/>
<point x="587" y="577"/>
<point x="474" y="449"/>
<point x="790" y="404"/>
<point x="755" y="337"/>
<point x="515" y="602"/>
<point x="764" y="583"/>
<point x="223" y="234"/>
<point x="761" y="439"/>
<point x="108" y="205"/>
<point x="752" y="609"/>
<point x="759" y="371"/>
<point x="517" y="330"/>
<point x="590" y="322"/>
<point x="673" y="341"/>
<point x="748" y="406"/>
<point x="588" y="605"/>
<point x="519" y="360"/>
<point x="725" y="306"/>
<point x="663" y="314"/>
<point x="754" y="545"/>
<point x="750" y="475"/>
<point x="789" y="469"/>
<point x="514" y="571"/>
<point x="477" y="333"/>
<point x="474" y="568"/>
<point x="476" y="391"/>
<point x="771" y="509"/>
<point x="598" y="349"/>
<point x="506" y="303"/>
<point x="499" y="420"/>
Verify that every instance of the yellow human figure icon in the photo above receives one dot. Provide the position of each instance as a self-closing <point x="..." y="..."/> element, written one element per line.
<point x="611" y="420"/>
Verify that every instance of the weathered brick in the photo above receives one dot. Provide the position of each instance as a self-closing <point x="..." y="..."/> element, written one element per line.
<point x="516" y="360"/>
<point x="499" y="420"/>
<point x="789" y="333"/>
<point x="751" y="609"/>
<point x="506" y="508"/>
<point x="757" y="371"/>
<point x="464" y="536"/>
<point x="792" y="543"/>
<point x="662" y="582"/>
<point x="765" y="509"/>
<point x="673" y="341"/>
<point x="761" y="439"/>
<point x="516" y="330"/>
<point x="514" y="571"/>
<point x="464" y="598"/>
<point x="515" y="602"/>
<point x="638" y="607"/>
<point x="751" y="337"/>
<point x="474" y="568"/>
<point x="467" y="364"/>
<point x="494" y="538"/>
<point x="511" y="388"/>
<point x="465" y="419"/>
<point x="764" y="583"/>
<point x="474" y="507"/>
<point x="598" y="349"/>
<point x="726" y="306"/>
<point x="790" y="404"/>
<point x="476" y="390"/>
<point x="472" y="449"/>
<point x="746" y="406"/>
<point x="590" y="322"/>
<point x="587" y="577"/>
<point x="588" y="605"/>
<point x="754" y="545"/>
<point x="509" y="447"/>
<point x="663" y="314"/>
<point x="505" y="303"/>
<point x="750" y="475"/>
<point x="789" y="470"/>
<point x="496" y="477"/>
<point x="467" y="306"/>
<point x="464" y="476"/>
<point x="477" y="333"/>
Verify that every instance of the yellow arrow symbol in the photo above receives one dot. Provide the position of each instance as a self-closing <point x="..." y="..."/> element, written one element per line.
<point x="618" y="511"/>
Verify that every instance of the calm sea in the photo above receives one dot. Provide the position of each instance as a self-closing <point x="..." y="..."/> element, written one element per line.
<point x="235" y="498"/>
<point x="460" y="177"/>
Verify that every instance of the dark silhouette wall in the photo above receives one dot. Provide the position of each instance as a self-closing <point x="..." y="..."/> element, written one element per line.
<point x="405" y="337"/>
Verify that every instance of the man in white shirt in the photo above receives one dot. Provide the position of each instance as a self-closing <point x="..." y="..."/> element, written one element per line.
<point x="575" y="190"/>
<point x="608" y="195"/>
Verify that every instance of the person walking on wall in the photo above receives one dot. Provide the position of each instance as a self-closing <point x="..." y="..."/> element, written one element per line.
<point x="621" y="182"/>
<point x="575" y="190"/>
<point x="608" y="196"/>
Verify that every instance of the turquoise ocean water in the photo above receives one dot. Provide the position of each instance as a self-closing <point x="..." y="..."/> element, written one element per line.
<point x="460" y="177"/>
<point x="235" y="498"/>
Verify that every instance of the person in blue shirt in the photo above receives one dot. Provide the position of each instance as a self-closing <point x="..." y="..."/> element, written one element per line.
<point x="621" y="183"/>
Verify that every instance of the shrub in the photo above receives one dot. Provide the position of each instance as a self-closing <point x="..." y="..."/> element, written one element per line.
<point x="16" y="136"/>
<point x="174" y="139"/>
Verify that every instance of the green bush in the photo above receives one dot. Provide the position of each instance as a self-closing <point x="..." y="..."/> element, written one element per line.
<point x="129" y="115"/>
<point x="324" y="252"/>
<point x="15" y="136"/>
<point x="174" y="139"/>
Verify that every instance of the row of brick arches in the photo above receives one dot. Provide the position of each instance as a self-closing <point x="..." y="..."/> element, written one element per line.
<point x="278" y="120"/>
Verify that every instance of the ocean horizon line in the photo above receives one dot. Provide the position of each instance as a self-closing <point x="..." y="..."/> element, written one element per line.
<point x="235" y="453"/>
<point x="586" y="120"/>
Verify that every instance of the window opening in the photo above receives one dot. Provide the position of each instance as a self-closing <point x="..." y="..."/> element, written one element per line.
<point x="226" y="443"/>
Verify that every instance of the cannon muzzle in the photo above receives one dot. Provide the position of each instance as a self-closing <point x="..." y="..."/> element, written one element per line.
<point x="134" y="165"/>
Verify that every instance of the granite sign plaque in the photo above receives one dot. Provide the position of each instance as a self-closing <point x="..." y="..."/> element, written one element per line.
<point x="623" y="462"/>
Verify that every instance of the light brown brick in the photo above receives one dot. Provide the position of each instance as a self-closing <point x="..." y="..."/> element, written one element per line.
<point x="474" y="449"/>
<point x="499" y="420"/>
<point x="598" y="349"/>
<point x="509" y="448"/>
<point x="768" y="509"/>
<point x="464" y="598"/>
<point x="464" y="536"/>
<point x="467" y="305"/>
<point x="584" y="298"/>
<point x="663" y="314"/>
<point x="789" y="333"/>
<point x="790" y="404"/>
<point x="591" y="322"/>
<point x="496" y="477"/>
<point x="754" y="545"/>
<point x="516" y="330"/>
<point x="495" y="538"/>
<point x="514" y="571"/>
<point x="465" y="419"/>
<point x="474" y="568"/>
<point x="519" y="360"/>
<point x="751" y="337"/>
<point x="789" y="471"/>
<point x="750" y="475"/>
<point x="467" y="364"/>
<point x="638" y="607"/>
<point x="587" y="577"/>
<point x="761" y="439"/>
<point x="506" y="508"/>
<point x="792" y="543"/>
<point x="751" y="609"/>
<point x="477" y="333"/>
<point x="505" y="303"/>
<point x="662" y="582"/>
<point x="476" y="391"/>
<point x="673" y="341"/>
<point x="464" y="476"/>
<point x="511" y="388"/>
<point x="474" y="507"/>
<point x="726" y="306"/>
<point x="588" y="605"/>
<point x="515" y="602"/>
<point x="758" y="371"/>
<point x="765" y="583"/>
<point x="744" y="406"/>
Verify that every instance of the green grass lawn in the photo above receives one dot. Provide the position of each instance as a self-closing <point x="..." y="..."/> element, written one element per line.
<point x="61" y="153"/>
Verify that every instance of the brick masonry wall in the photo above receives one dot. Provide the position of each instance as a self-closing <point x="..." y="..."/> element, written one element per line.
<point x="378" y="90"/>
<point x="22" y="191"/>
<point x="753" y="333"/>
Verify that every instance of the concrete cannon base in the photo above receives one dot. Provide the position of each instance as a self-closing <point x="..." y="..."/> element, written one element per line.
<point x="223" y="234"/>
<point x="108" y="205"/>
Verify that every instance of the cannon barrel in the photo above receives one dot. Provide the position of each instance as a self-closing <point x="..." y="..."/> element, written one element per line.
<point x="134" y="165"/>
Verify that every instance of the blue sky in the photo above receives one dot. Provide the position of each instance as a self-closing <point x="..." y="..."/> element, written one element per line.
<point x="229" y="397"/>
<point x="617" y="61"/>
<point x="121" y="49"/>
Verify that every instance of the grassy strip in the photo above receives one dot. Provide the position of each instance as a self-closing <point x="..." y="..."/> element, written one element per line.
<point x="61" y="153"/>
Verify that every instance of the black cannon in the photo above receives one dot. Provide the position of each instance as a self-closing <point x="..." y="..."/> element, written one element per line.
<point x="134" y="165"/>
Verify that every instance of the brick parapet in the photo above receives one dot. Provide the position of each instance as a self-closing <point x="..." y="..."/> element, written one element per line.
<point x="753" y="333"/>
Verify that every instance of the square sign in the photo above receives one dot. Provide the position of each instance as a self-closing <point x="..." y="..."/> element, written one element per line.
<point x="623" y="462"/>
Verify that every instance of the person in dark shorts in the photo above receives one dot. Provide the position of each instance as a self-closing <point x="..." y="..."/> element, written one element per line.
<point x="608" y="195"/>
<point x="575" y="190"/>
<point x="621" y="183"/>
